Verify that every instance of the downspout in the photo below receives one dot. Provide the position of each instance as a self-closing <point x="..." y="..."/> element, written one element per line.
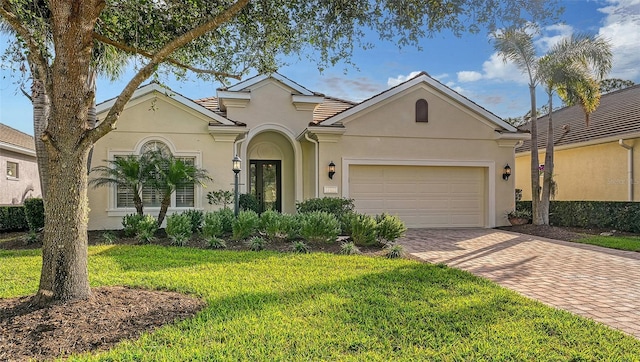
<point x="236" y="144"/>
<point x="629" y="166"/>
<point x="316" y="173"/>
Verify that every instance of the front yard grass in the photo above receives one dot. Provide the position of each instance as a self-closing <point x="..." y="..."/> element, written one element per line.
<point x="629" y="243"/>
<point x="266" y="306"/>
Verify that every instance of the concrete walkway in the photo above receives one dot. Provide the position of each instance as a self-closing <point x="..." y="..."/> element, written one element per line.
<point x="594" y="282"/>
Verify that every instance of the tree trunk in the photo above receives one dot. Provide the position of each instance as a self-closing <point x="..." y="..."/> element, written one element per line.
<point x="535" y="163"/>
<point x="65" y="274"/>
<point x="548" y="167"/>
<point x="164" y="206"/>
<point x="92" y="116"/>
<point x="41" y="108"/>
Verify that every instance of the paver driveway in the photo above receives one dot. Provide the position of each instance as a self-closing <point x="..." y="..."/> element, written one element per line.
<point x="599" y="283"/>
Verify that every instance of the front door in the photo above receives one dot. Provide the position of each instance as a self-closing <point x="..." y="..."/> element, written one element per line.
<point x="265" y="184"/>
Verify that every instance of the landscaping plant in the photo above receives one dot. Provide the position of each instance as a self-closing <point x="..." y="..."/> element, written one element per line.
<point x="394" y="251"/>
<point x="196" y="218"/>
<point x="320" y="226"/>
<point x="146" y="229"/>
<point x="270" y="224"/>
<point x="216" y="243"/>
<point x="212" y="226"/>
<point x="222" y="198"/>
<point x="291" y="226"/>
<point x="179" y="229"/>
<point x="349" y="248"/>
<point x="363" y="230"/>
<point x="300" y="247"/>
<point x="389" y="228"/>
<point x="245" y="225"/>
<point x="109" y="237"/>
<point x="256" y="243"/>
<point x="130" y="224"/>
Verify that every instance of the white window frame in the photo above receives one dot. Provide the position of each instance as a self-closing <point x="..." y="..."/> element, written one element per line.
<point x="17" y="175"/>
<point x="113" y="210"/>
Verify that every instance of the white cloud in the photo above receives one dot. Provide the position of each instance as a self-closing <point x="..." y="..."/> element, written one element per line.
<point x="392" y="82"/>
<point x="622" y="28"/>
<point x="441" y="77"/>
<point x="469" y="76"/>
<point x="552" y="35"/>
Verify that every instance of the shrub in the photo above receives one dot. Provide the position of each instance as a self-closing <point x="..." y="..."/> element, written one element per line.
<point x="363" y="230"/>
<point x="146" y="229"/>
<point x="227" y="218"/>
<point x="109" y="237"/>
<point x="196" y="218"/>
<point x="248" y="202"/>
<point x="34" y="213"/>
<point x="256" y="243"/>
<point x="12" y="218"/>
<point x="220" y="197"/>
<point x="389" y="227"/>
<point x="212" y="226"/>
<point x="130" y="224"/>
<point x="333" y="205"/>
<point x="216" y="243"/>
<point x="32" y="237"/>
<point x="320" y="226"/>
<point x="349" y="248"/>
<point x="270" y="224"/>
<point x="300" y="247"/>
<point x="291" y="226"/>
<point x="179" y="229"/>
<point x="345" y="222"/>
<point x="245" y="225"/>
<point x="394" y="251"/>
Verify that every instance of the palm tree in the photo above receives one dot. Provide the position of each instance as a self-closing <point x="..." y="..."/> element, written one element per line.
<point x="516" y="45"/>
<point x="572" y="68"/>
<point x="169" y="174"/>
<point x="129" y="172"/>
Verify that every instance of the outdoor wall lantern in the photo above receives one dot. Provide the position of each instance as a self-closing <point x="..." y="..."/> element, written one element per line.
<point x="506" y="173"/>
<point x="237" y="163"/>
<point x="332" y="169"/>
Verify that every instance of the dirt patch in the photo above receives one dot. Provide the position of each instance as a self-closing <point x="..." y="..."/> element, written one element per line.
<point x="560" y="233"/>
<point x="110" y="315"/>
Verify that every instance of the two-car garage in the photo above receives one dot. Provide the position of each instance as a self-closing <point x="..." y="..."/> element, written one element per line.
<point x="422" y="196"/>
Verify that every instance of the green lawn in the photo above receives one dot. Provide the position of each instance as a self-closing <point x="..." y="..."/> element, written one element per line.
<point x="629" y="243"/>
<point x="265" y="306"/>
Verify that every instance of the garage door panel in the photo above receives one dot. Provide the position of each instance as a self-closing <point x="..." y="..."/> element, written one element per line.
<point x="422" y="196"/>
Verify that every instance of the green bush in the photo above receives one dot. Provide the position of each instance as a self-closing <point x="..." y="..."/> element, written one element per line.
<point x="212" y="226"/>
<point x="130" y="224"/>
<point x="333" y="205"/>
<point x="220" y="197"/>
<point x="291" y="226"/>
<point x="32" y="237"/>
<point x="394" y="251"/>
<point x="320" y="226"/>
<point x="216" y="243"/>
<point x="389" y="228"/>
<point x="248" y="202"/>
<point x="109" y="237"/>
<point x="34" y="213"/>
<point x="256" y="243"/>
<point x="363" y="230"/>
<point x="618" y="215"/>
<point x="179" y="229"/>
<point x="271" y="224"/>
<point x="196" y="218"/>
<point x="146" y="229"/>
<point x="349" y="248"/>
<point x="245" y="225"/>
<point x="12" y="218"/>
<point x="300" y="247"/>
<point x="227" y="218"/>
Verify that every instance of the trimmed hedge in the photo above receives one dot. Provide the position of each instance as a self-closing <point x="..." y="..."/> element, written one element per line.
<point x="12" y="218"/>
<point x="617" y="215"/>
<point x="34" y="213"/>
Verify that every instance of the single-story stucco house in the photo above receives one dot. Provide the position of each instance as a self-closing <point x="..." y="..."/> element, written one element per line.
<point x="418" y="150"/>
<point x="597" y="162"/>
<point x="18" y="163"/>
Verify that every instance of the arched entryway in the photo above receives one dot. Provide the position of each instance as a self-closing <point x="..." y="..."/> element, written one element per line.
<point x="271" y="176"/>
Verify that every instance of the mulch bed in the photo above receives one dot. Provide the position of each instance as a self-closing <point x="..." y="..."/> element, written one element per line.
<point x="560" y="233"/>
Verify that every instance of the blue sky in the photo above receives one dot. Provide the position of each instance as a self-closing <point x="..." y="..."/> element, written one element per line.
<point x="468" y="65"/>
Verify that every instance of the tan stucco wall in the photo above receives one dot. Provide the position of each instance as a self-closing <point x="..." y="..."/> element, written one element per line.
<point x="12" y="189"/>
<point x="453" y="135"/>
<point x="595" y="172"/>
<point x="157" y="117"/>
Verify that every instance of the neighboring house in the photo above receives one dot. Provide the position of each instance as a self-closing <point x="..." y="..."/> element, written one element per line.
<point x="600" y="162"/>
<point x="19" y="178"/>
<point x="418" y="150"/>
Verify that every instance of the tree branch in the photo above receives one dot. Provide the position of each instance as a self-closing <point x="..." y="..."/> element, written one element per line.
<point x="91" y="136"/>
<point x="35" y="55"/>
<point x="130" y="49"/>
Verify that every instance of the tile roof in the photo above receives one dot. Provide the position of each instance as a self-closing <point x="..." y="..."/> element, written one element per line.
<point x="618" y="115"/>
<point x="14" y="137"/>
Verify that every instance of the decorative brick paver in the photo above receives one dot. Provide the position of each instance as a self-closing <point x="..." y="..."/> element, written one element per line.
<point x="594" y="282"/>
